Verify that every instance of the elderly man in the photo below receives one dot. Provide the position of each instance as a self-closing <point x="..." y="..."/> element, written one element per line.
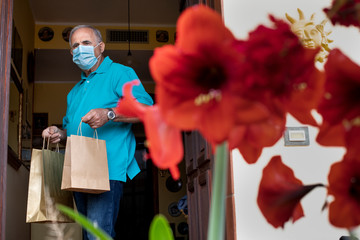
<point x="92" y="100"/>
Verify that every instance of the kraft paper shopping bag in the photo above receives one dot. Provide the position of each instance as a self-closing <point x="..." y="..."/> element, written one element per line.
<point x="45" y="187"/>
<point x="85" y="165"/>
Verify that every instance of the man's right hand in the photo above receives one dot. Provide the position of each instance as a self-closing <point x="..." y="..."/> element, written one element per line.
<point x="54" y="133"/>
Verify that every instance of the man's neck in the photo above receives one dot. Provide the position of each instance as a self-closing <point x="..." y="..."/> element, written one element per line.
<point x="93" y="69"/>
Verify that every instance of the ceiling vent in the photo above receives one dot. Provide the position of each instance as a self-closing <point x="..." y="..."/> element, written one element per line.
<point x="122" y="36"/>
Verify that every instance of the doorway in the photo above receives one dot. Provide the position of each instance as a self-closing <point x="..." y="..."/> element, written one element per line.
<point x="138" y="205"/>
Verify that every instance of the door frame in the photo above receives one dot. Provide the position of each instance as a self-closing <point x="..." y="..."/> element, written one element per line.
<point x="6" y="13"/>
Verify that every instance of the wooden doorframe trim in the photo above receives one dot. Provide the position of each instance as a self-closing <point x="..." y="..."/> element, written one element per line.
<point x="230" y="203"/>
<point x="6" y="13"/>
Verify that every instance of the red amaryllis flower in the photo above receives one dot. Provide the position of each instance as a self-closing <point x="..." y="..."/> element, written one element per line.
<point x="164" y="142"/>
<point x="280" y="193"/>
<point x="344" y="185"/>
<point x="250" y="139"/>
<point x="352" y="139"/>
<point x="279" y="71"/>
<point x="340" y="106"/>
<point x="198" y="79"/>
<point x="344" y="12"/>
<point x="331" y="135"/>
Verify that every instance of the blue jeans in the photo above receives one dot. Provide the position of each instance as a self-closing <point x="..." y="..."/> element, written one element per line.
<point x="101" y="209"/>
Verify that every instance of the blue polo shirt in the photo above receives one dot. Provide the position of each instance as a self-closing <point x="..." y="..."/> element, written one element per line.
<point x="102" y="89"/>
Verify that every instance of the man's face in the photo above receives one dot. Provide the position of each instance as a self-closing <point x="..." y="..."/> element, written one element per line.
<point x="86" y="37"/>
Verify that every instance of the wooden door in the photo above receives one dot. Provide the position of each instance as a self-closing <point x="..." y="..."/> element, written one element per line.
<point x="6" y="10"/>
<point x="198" y="161"/>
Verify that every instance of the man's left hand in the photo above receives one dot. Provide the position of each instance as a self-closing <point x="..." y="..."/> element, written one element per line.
<point x="96" y="117"/>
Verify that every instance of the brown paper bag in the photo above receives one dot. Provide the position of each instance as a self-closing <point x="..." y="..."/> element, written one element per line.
<point x="85" y="165"/>
<point x="44" y="187"/>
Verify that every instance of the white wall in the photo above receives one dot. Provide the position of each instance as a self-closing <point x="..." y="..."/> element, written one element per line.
<point x="311" y="163"/>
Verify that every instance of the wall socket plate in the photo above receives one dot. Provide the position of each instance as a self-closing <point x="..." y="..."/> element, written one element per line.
<point x="296" y="136"/>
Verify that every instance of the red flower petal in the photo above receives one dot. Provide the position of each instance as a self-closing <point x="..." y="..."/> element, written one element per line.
<point x="198" y="79"/>
<point x="340" y="105"/>
<point x="344" y="12"/>
<point x="279" y="71"/>
<point x="200" y="24"/>
<point x="342" y="99"/>
<point x="304" y="100"/>
<point x="164" y="141"/>
<point x="266" y="133"/>
<point x="331" y="135"/>
<point x="280" y="193"/>
<point x="344" y="185"/>
<point x="352" y="140"/>
<point x="237" y="139"/>
<point x="128" y="106"/>
<point x="249" y="152"/>
<point x="250" y="139"/>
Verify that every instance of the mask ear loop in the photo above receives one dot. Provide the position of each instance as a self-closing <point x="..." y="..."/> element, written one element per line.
<point x="97" y="58"/>
<point x="97" y="45"/>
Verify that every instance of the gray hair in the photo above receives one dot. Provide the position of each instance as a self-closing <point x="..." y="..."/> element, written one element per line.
<point x="95" y="30"/>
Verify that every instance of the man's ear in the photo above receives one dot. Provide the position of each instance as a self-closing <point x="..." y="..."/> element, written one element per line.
<point x="102" y="47"/>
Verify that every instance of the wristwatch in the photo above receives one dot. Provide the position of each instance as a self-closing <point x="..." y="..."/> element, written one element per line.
<point x="111" y="114"/>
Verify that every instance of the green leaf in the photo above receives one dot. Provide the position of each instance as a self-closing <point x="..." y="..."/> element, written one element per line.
<point x="84" y="222"/>
<point x="160" y="229"/>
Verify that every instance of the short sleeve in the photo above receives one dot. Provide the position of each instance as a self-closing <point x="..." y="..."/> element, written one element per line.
<point x="138" y="91"/>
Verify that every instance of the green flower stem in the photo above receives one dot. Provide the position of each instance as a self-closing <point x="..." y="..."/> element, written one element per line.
<point x="352" y="235"/>
<point x="216" y="230"/>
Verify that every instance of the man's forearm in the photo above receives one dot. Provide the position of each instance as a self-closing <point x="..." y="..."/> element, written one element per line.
<point x="122" y="118"/>
<point x="126" y="119"/>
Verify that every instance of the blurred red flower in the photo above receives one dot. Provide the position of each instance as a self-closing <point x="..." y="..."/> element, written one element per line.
<point x="340" y="105"/>
<point x="280" y="193"/>
<point x="344" y="12"/>
<point x="344" y="185"/>
<point x="198" y="79"/>
<point x="352" y="139"/>
<point x="164" y="141"/>
<point x="250" y="139"/>
<point x="279" y="71"/>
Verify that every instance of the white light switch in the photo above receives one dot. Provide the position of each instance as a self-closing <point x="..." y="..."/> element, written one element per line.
<point x="297" y="135"/>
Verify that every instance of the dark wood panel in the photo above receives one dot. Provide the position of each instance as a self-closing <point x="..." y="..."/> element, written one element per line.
<point x="193" y="215"/>
<point x="6" y="9"/>
<point x="204" y="197"/>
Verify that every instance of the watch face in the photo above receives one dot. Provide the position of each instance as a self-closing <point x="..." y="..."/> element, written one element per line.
<point x="111" y="115"/>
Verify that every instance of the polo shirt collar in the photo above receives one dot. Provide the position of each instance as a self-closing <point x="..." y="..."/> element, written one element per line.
<point x="104" y="66"/>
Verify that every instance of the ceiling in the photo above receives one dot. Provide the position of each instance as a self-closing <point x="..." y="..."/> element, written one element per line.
<point x="106" y="12"/>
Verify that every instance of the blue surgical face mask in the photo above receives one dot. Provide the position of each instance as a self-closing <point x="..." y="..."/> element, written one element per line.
<point x="84" y="56"/>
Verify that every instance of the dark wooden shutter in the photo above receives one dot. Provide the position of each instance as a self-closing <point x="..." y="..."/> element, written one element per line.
<point x="199" y="160"/>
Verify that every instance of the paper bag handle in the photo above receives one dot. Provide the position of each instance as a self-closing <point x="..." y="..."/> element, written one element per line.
<point x="79" y="130"/>
<point x="48" y="143"/>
